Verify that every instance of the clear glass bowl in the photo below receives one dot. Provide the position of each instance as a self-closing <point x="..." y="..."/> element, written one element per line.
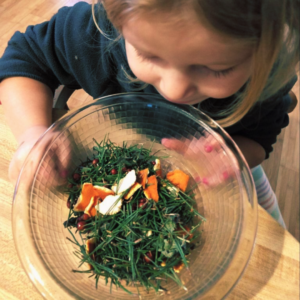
<point x="230" y="206"/>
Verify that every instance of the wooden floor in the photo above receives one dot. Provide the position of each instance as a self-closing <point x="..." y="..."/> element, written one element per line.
<point x="282" y="167"/>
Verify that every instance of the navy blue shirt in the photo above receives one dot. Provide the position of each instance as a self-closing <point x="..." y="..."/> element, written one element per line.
<point x="69" y="50"/>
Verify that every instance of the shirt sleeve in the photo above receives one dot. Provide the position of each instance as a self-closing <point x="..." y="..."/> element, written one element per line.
<point x="266" y="120"/>
<point x="65" y="50"/>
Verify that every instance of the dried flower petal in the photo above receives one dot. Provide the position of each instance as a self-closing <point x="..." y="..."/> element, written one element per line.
<point x="157" y="167"/>
<point x="110" y="205"/>
<point x="125" y="183"/>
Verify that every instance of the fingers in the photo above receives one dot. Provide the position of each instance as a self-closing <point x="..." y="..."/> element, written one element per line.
<point x="209" y="150"/>
<point x="53" y="170"/>
<point x="17" y="162"/>
<point x="210" y="143"/>
<point x="175" y="145"/>
<point x="207" y="143"/>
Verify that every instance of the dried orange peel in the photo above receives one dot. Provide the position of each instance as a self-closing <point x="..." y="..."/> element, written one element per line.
<point x="182" y="232"/>
<point x="90" y="209"/>
<point x="142" y="177"/>
<point x="90" y="247"/>
<point x="132" y="190"/>
<point x="151" y="189"/>
<point x="89" y="196"/>
<point x="84" y="199"/>
<point x="179" y="179"/>
<point x="102" y="192"/>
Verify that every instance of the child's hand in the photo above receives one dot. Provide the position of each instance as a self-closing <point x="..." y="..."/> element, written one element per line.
<point x="26" y="143"/>
<point x="212" y="151"/>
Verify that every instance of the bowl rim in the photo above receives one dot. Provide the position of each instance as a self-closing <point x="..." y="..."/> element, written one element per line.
<point x="188" y="111"/>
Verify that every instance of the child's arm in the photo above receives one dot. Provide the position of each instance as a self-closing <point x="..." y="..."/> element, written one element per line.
<point x="27" y="103"/>
<point x="62" y="51"/>
<point x="28" y="109"/>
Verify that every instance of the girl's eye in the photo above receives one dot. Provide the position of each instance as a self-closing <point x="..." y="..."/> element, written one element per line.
<point x="218" y="74"/>
<point x="207" y="71"/>
<point x="144" y="57"/>
<point x="194" y="68"/>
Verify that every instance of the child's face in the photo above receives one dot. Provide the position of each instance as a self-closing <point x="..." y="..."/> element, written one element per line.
<point x="186" y="63"/>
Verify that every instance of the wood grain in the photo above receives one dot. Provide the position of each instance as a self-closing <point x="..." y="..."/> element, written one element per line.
<point x="282" y="169"/>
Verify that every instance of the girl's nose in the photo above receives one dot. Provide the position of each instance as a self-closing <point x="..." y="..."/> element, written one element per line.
<point x="176" y="86"/>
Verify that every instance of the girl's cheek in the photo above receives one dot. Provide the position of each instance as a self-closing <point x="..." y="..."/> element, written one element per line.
<point x="225" y="87"/>
<point x="143" y="72"/>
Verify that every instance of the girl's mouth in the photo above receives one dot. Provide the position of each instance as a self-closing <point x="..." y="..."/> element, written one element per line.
<point x="188" y="101"/>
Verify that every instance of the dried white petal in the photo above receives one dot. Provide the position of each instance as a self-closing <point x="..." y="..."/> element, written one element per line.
<point x="157" y="165"/>
<point x="174" y="190"/>
<point x="110" y="205"/>
<point x="125" y="183"/>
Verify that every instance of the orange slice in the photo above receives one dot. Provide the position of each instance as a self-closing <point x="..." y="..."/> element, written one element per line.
<point x="179" y="179"/>
<point x="142" y="177"/>
<point x="132" y="190"/>
<point x="151" y="190"/>
<point x="84" y="199"/>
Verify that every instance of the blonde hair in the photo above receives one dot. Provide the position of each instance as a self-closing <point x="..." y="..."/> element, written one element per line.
<point x="272" y="26"/>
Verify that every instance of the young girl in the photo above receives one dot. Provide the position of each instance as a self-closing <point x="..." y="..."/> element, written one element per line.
<point x="233" y="59"/>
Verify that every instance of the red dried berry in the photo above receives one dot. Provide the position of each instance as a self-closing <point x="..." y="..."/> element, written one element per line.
<point x="153" y="162"/>
<point x="95" y="161"/>
<point x="114" y="171"/>
<point x="76" y="176"/>
<point x="85" y="217"/>
<point x="142" y="203"/>
<point x="70" y="185"/>
<point x="148" y="257"/>
<point x="69" y="203"/>
<point x="80" y="225"/>
<point x="124" y="169"/>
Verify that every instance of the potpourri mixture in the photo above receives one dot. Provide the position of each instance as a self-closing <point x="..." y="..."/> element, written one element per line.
<point x="135" y="226"/>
